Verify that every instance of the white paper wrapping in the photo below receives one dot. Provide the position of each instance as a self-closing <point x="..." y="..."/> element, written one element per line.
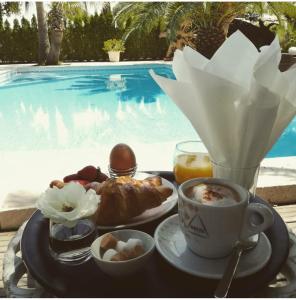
<point x="238" y="102"/>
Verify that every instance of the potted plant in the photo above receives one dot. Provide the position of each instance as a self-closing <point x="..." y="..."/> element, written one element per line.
<point x="114" y="47"/>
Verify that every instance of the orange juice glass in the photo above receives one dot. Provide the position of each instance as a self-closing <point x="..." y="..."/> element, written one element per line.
<point x="191" y="160"/>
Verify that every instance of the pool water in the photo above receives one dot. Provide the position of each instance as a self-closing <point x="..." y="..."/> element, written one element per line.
<point x="90" y="106"/>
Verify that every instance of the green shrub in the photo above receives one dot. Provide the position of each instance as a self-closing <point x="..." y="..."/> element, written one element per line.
<point x="83" y="41"/>
<point x="20" y="43"/>
<point x="114" y="45"/>
<point x="148" y="46"/>
<point x="6" y="43"/>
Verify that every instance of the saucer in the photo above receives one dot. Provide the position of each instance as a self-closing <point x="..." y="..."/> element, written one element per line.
<point x="171" y="244"/>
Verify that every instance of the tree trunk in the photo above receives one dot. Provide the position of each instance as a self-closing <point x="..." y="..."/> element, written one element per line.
<point x="56" y="38"/>
<point x="42" y="33"/>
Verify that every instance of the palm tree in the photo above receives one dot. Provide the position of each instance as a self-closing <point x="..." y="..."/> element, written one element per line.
<point x="139" y="17"/>
<point x="183" y="36"/>
<point x="205" y="24"/>
<point x="7" y="8"/>
<point x="53" y="25"/>
<point x="210" y="22"/>
<point x="42" y="33"/>
<point x="61" y="12"/>
<point x="286" y="17"/>
<point x="56" y="26"/>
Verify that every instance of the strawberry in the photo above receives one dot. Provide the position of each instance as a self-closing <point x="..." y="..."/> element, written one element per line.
<point x="88" y="173"/>
<point x="101" y="177"/>
<point x="71" y="177"/>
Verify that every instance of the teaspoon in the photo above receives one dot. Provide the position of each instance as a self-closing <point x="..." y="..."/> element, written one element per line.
<point x="239" y="248"/>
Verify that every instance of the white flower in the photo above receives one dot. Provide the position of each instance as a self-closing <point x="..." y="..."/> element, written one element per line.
<point x="69" y="204"/>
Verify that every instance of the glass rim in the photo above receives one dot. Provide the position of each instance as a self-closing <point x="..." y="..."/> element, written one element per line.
<point x="228" y="167"/>
<point x="189" y="141"/>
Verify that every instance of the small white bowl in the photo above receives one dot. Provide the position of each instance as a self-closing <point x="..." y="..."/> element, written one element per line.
<point x="127" y="267"/>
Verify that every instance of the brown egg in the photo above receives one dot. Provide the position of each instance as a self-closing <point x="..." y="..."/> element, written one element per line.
<point x="122" y="157"/>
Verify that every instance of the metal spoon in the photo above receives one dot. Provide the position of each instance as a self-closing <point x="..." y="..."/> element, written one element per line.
<point x="240" y="247"/>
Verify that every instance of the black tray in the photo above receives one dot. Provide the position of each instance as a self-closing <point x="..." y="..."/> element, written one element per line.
<point x="157" y="279"/>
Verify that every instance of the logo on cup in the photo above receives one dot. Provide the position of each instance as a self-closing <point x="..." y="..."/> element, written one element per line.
<point x="196" y="226"/>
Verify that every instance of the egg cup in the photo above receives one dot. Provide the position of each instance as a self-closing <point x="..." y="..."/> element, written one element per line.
<point x="114" y="173"/>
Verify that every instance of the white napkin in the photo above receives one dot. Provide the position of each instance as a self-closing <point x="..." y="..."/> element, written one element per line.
<point x="238" y="102"/>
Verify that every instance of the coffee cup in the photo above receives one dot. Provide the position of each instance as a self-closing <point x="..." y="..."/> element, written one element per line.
<point x="215" y="213"/>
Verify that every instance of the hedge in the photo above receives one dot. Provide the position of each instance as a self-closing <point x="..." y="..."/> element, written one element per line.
<point x="83" y="41"/>
<point x="20" y="43"/>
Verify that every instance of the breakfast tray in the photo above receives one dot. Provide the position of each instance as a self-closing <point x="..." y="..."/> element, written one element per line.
<point x="157" y="279"/>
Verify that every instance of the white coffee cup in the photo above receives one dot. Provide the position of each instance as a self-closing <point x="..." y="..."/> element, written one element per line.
<point x="211" y="231"/>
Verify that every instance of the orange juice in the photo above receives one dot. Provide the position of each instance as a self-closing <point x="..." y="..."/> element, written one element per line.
<point x="189" y="166"/>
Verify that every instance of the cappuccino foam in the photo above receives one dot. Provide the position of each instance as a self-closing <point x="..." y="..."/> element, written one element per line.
<point x="214" y="194"/>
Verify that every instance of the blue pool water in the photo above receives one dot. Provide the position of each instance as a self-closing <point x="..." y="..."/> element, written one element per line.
<point x="91" y="106"/>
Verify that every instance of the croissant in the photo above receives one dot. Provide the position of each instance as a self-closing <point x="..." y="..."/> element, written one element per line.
<point x="123" y="198"/>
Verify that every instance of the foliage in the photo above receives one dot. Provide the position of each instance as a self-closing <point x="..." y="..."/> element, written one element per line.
<point x="83" y="40"/>
<point x="287" y="36"/>
<point x="286" y="29"/>
<point x="285" y="24"/>
<point x="114" y="45"/>
<point x="7" y="8"/>
<point x="188" y="23"/>
<point x="72" y="10"/>
<point x="139" y="24"/>
<point x="139" y="17"/>
<point x="56" y="17"/>
<point x="203" y="25"/>
<point x="20" y="43"/>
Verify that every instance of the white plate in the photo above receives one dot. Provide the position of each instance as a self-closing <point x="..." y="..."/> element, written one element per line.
<point x="171" y="244"/>
<point x="150" y="214"/>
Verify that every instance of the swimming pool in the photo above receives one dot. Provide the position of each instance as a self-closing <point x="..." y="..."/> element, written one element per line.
<point x="71" y="108"/>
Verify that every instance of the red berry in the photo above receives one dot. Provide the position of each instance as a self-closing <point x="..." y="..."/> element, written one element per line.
<point x="101" y="177"/>
<point x="88" y="173"/>
<point x="71" y="177"/>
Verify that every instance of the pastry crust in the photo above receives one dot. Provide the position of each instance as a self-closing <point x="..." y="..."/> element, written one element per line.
<point x="123" y="198"/>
